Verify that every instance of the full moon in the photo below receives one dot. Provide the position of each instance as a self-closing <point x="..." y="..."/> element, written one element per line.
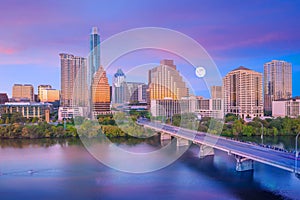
<point x="200" y="72"/>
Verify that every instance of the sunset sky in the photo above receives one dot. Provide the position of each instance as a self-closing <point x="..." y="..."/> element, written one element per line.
<point x="234" y="33"/>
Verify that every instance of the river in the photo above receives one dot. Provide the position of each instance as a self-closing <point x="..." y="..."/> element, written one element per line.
<point x="63" y="169"/>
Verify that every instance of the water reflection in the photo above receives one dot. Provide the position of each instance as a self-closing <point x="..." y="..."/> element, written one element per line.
<point x="63" y="169"/>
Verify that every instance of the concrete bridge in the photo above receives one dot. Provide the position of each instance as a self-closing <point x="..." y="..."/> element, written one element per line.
<point x="244" y="153"/>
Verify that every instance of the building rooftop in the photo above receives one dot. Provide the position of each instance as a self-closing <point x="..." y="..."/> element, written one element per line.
<point x="241" y="68"/>
<point x="119" y="73"/>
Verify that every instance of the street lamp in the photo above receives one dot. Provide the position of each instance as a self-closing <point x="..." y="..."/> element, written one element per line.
<point x="262" y="132"/>
<point x="297" y="153"/>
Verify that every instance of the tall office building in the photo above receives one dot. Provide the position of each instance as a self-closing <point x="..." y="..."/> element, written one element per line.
<point x="136" y="92"/>
<point x="94" y="56"/>
<point x="100" y="93"/>
<point x="41" y="89"/>
<point x="243" y="93"/>
<point x="118" y="88"/>
<point x="81" y="90"/>
<point x="277" y="82"/>
<point x="166" y="82"/>
<point x="216" y="92"/>
<point x="73" y="80"/>
<point x="23" y="92"/>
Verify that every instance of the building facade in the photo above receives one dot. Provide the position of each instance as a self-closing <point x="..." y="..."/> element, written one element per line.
<point x="204" y="107"/>
<point x="50" y="95"/>
<point x="100" y="93"/>
<point x="41" y="89"/>
<point x="277" y="82"/>
<point x="136" y="92"/>
<point x="118" y="88"/>
<point x="3" y="98"/>
<point x="94" y="55"/>
<point x="217" y="92"/>
<point x="23" y="92"/>
<point x="27" y="109"/>
<point x="243" y="93"/>
<point x="73" y="80"/>
<point x="165" y="81"/>
<point x="286" y="108"/>
<point x="70" y="113"/>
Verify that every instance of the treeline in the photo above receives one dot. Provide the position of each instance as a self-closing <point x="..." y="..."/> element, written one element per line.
<point x="41" y="130"/>
<point x="116" y="125"/>
<point x="233" y="126"/>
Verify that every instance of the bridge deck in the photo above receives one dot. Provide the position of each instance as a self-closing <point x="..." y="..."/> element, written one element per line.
<point x="280" y="159"/>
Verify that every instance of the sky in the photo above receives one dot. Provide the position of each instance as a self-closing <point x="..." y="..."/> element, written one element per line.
<point x="234" y="33"/>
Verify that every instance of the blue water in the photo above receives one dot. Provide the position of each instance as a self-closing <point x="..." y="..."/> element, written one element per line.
<point x="64" y="169"/>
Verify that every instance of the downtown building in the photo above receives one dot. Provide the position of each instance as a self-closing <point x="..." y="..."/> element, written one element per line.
<point x="100" y="93"/>
<point x="74" y="90"/>
<point x="127" y="92"/>
<point x="243" y="93"/>
<point x="119" y="88"/>
<point x="27" y="109"/>
<point x="165" y="81"/>
<point x="3" y="98"/>
<point x="198" y="105"/>
<point x="286" y="108"/>
<point x="277" y="82"/>
<point x="23" y="92"/>
<point x="41" y="89"/>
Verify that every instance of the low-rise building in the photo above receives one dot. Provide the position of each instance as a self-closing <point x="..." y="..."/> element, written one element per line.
<point x="71" y="112"/>
<point x="3" y="98"/>
<point x="286" y="108"/>
<point x="204" y="107"/>
<point x="27" y="109"/>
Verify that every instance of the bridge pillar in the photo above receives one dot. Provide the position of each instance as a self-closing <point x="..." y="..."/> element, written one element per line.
<point x="182" y="142"/>
<point x="243" y="164"/>
<point x="205" y="151"/>
<point x="165" y="136"/>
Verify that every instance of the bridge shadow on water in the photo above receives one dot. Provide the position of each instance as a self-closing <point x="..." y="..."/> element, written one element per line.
<point x="221" y="168"/>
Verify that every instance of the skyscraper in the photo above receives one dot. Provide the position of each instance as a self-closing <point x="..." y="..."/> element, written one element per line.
<point x="23" y="92"/>
<point x="73" y="80"/>
<point x="80" y="91"/>
<point x="118" y="88"/>
<point x="243" y="93"/>
<point x="277" y="82"/>
<point x="216" y="92"/>
<point x="136" y="92"/>
<point x="94" y="56"/>
<point x="166" y="82"/>
<point x="100" y="93"/>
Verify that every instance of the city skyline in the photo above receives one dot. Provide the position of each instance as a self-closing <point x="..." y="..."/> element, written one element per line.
<point x="250" y="40"/>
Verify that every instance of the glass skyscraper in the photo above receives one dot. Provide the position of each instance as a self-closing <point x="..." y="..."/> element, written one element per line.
<point x="277" y="82"/>
<point x="94" y="56"/>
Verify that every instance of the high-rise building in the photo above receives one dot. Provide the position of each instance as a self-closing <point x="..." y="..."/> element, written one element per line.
<point x="81" y="89"/>
<point x="94" y="56"/>
<point x="23" y="92"/>
<point x="277" y="82"/>
<point x="100" y="93"/>
<point x="41" y="89"/>
<point x="118" y="88"/>
<point x="166" y="82"/>
<point x="216" y="92"/>
<point x="243" y="93"/>
<point x="136" y="92"/>
<point x="73" y="80"/>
